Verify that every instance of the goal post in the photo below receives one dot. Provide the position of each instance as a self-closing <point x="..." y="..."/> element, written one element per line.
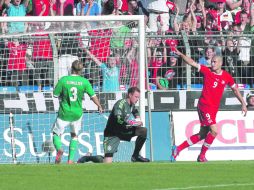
<point x="39" y="51"/>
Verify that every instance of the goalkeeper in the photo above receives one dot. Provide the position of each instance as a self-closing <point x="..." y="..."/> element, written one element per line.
<point x="70" y="90"/>
<point x="123" y="124"/>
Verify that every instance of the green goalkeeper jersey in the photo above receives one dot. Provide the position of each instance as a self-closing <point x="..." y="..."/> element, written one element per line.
<point x="70" y="90"/>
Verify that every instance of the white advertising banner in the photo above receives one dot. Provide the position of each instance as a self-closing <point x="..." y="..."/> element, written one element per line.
<point x="235" y="139"/>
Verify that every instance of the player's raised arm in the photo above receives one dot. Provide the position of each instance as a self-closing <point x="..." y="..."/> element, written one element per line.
<point x="95" y="59"/>
<point x="187" y="59"/>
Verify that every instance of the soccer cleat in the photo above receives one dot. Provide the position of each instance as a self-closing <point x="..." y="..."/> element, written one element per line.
<point x="174" y="153"/>
<point x="202" y="158"/>
<point x="59" y="155"/>
<point x="139" y="158"/>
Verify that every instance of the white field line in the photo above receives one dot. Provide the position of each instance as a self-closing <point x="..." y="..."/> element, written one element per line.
<point x="208" y="186"/>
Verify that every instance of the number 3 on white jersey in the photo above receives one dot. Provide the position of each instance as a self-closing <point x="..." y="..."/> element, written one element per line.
<point x="74" y="92"/>
<point x="215" y="84"/>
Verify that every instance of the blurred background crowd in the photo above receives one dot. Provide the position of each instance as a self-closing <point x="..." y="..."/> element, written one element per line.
<point x="199" y="28"/>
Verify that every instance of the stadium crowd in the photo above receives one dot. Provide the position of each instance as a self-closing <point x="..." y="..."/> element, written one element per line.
<point x="214" y="27"/>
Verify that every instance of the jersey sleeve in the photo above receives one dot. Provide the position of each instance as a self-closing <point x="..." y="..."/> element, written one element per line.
<point x="203" y="69"/>
<point x="135" y="112"/>
<point x="119" y="113"/>
<point x="231" y="81"/>
<point x="58" y="89"/>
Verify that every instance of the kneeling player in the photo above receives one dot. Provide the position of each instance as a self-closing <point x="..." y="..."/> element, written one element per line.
<point x="123" y="124"/>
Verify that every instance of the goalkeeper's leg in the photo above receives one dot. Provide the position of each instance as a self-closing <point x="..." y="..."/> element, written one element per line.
<point x="141" y="132"/>
<point x="110" y="145"/>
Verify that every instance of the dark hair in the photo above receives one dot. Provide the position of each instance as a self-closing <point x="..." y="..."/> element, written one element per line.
<point x="248" y="96"/>
<point x="243" y="12"/>
<point x="133" y="89"/>
<point x="108" y="7"/>
<point x="76" y="67"/>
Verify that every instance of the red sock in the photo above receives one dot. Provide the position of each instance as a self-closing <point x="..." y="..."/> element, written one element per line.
<point x="192" y="140"/>
<point x="208" y="141"/>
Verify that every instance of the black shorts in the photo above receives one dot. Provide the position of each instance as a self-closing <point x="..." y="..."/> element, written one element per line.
<point x="111" y="143"/>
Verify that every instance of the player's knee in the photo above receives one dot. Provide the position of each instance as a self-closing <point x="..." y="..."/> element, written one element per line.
<point x="141" y="131"/>
<point x="108" y="155"/>
<point x="214" y="132"/>
<point x="73" y="135"/>
<point x="203" y="132"/>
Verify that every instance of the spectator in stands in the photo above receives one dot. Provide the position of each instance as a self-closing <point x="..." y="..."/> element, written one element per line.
<point x="189" y="22"/>
<point x="110" y="72"/>
<point x="158" y="57"/>
<point x="108" y="8"/>
<point x="42" y="57"/>
<point x="244" y="8"/>
<point x="158" y="11"/>
<point x="16" y="69"/>
<point x="2" y="6"/>
<point x="120" y="6"/>
<point x="52" y="7"/>
<point x="244" y="44"/>
<point x="88" y="8"/>
<point x="130" y="68"/>
<point x="244" y="22"/>
<point x="225" y="16"/>
<point x="41" y="7"/>
<point x="233" y="5"/>
<point x="169" y="75"/>
<point x="230" y="54"/>
<point x="250" y="101"/>
<point x="252" y="16"/>
<point x="133" y="8"/>
<point x="200" y="15"/>
<point x="206" y="60"/>
<point x="64" y="7"/>
<point x="16" y="8"/>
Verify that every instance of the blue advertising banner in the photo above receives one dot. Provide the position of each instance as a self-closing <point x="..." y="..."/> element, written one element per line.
<point x="31" y="130"/>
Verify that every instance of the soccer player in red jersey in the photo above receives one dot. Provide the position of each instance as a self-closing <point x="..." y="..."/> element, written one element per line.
<point x="215" y="79"/>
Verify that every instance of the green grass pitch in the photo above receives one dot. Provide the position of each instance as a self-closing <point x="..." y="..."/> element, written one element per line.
<point x="225" y="175"/>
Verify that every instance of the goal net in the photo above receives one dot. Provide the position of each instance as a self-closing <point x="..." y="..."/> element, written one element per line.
<point x="32" y="61"/>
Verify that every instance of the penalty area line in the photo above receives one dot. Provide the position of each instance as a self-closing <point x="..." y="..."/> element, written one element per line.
<point x="208" y="186"/>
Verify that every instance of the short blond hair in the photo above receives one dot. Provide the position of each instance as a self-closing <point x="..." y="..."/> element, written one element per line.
<point x="76" y="67"/>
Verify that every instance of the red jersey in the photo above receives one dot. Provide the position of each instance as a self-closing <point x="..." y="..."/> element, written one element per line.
<point x="100" y="44"/>
<point x="214" y="85"/>
<point x="238" y="18"/>
<point x="134" y="73"/>
<point x="42" y="47"/>
<point x="37" y="7"/>
<point x="17" y="56"/>
<point x="155" y="67"/>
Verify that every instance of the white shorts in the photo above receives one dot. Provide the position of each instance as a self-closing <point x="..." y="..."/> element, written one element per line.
<point x="60" y="125"/>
